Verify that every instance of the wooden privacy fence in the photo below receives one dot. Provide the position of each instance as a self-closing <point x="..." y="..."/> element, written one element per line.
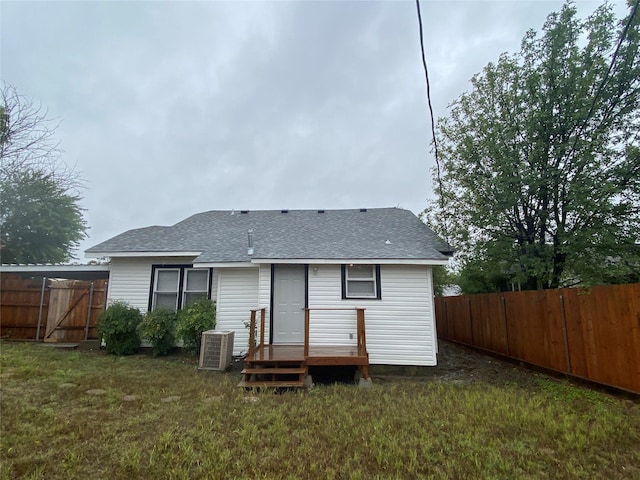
<point x="589" y="333"/>
<point x="51" y="310"/>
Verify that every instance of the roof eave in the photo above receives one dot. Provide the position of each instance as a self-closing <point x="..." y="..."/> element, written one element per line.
<point x="357" y="261"/>
<point x="21" y="268"/>
<point x="154" y="253"/>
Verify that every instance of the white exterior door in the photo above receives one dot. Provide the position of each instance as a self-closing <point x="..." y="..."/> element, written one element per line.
<point x="288" y="304"/>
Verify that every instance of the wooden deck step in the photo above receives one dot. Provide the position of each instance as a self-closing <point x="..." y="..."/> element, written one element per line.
<point x="275" y="362"/>
<point x="276" y="370"/>
<point x="271" y="384"/>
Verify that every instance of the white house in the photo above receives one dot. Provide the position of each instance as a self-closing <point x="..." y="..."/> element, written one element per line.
<point x="287" y="261"/>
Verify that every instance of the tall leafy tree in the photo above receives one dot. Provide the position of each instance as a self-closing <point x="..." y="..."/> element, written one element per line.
<point x="41" y="221"/>
<point x="540" y="160"/>
<point x="40" y="216"/>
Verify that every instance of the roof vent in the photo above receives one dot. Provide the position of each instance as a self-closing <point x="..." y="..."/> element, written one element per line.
<point x="244" y="211"/>
<point x="250" y="235"/>
<point x="363" y="210"/>
<point x="320" y="211"/>
<point x="284" y="211"/>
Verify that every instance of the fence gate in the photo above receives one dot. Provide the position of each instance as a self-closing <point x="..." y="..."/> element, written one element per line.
<point x="73" y="309"/>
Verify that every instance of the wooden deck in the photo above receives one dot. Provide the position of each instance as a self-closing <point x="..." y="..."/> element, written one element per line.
<point x="288" y="365"/>
<point x="318" y="355"/>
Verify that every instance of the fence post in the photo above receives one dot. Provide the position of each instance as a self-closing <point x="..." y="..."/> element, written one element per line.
<point x="86" y="328"/>
<point x="506" y="327"/>
<point x="564" y="334"/>
<point x="44" y="283"/>
<point x="445" y="323"/>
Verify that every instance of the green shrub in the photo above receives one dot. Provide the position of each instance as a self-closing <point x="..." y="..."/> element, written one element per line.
<point x="193" y="320"/>
<point x="158" y="328"/>
<point x="118" y="327"/>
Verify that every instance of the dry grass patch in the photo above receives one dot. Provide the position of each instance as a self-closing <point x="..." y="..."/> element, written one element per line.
<point x="415" y="428"/>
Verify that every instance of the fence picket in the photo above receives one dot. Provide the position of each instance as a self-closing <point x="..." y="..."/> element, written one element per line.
<point x="590" y="333"/>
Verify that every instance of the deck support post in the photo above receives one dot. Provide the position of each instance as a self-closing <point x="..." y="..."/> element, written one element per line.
<point x="262" y="316"/>
<point x="362" y="337"/>
<point x="362" y="341"/>
<point x="252" y="333"/>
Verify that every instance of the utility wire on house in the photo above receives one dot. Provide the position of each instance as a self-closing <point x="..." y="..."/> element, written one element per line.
<point x="433" y="123"/>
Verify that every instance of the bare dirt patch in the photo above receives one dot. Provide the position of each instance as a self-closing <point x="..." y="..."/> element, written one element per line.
<point x="173" y="398"/>
<point x="67" y="385"/>
<point x="458" y="364"/>
<point x="96" y="391"/>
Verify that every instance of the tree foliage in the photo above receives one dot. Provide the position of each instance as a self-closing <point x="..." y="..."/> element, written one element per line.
<point x="443" y="278"/>
<point x="40" y="221"/>
<point x="540" y="160"/>
<point x="40" y="216"/>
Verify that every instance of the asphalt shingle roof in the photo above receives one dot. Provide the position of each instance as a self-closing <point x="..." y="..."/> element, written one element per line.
<point x="222" y="236"/>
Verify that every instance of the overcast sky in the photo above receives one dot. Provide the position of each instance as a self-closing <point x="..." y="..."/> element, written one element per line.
<point x="173" y="108"/>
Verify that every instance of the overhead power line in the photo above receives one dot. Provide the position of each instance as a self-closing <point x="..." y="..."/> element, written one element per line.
<point x="605" y="79"/>
<point x="433" y="123"/>
<point x="613" y="59"/>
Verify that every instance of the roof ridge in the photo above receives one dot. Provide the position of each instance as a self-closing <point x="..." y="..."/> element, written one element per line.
<point x="279" y="210"/>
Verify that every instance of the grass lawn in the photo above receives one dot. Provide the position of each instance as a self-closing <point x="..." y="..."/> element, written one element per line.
<point x="55" y="425"/>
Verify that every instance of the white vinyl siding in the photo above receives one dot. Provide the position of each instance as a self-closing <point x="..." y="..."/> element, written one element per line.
<point x="400" y="327"/>
<point x="130" y="278"/>
<point x="237" y="295"/>
<point x="264" y="300"/>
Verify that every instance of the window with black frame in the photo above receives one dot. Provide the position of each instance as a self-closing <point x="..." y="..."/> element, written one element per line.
<point x="361" y="282"/>
<point x="178" y="286"/>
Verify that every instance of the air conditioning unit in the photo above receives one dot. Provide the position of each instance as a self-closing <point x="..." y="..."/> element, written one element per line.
<point x="216" y="350"/>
